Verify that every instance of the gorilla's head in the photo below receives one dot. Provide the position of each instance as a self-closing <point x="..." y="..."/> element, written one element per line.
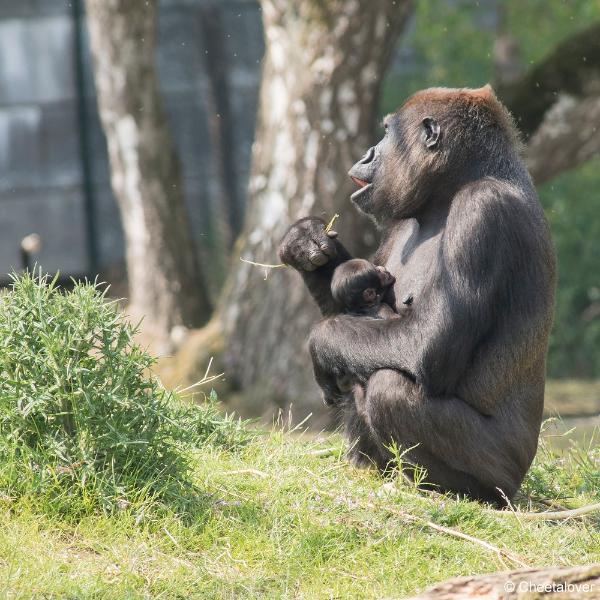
<point x="358" y="284"/>
<point x="437" y="141"/>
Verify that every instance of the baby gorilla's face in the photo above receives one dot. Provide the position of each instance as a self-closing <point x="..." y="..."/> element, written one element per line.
<point x="378" y="281"/>
<point x="358" y="284"/>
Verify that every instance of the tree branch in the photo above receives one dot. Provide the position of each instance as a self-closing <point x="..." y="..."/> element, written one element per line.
<point x="567" y="583"/>
<point x="572" y="68"/>
<point x="566" y="138"/>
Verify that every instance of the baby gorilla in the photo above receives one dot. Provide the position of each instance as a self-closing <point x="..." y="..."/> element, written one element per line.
<point x="361" y="288"/>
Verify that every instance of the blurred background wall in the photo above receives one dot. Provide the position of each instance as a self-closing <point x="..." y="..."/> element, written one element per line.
<point x="54" y="172"/>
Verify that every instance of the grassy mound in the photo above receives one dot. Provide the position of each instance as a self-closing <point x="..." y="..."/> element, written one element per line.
<point x="82" y="424"/>
<point x="288" y="517"/>
<point x="160" y="499"/>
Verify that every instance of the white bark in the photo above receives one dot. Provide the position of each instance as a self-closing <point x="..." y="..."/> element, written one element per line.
<point x="165" y="284"/>
<point x="568" y="136"/>
<point x="323" y="68"/>
<point x="570" y="583"/>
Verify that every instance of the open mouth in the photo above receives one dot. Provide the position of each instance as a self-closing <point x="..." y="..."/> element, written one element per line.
<point x="363" y="187"/>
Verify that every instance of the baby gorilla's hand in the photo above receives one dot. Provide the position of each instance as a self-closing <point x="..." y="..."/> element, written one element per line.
<point x="386" y="277"/>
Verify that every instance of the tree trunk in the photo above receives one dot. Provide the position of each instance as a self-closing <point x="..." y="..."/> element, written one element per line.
<point x="557" y="105"/>
<point x="571" y="68"/>
<point x="322" y="72"/>
<point x="229" y="209"/>
<point x="506" y="57"/>
<point x="571" y="583"/>
<point x="566" y="138"/>
<point x="165" y="283"/>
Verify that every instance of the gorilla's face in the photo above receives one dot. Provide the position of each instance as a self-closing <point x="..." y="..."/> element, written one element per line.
<point x="393" y="176"/>
<point x="365" y="172"/>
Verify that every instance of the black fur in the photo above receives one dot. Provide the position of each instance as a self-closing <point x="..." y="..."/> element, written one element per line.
<point x="360" y="288"/>
<point x="460" y="374"/>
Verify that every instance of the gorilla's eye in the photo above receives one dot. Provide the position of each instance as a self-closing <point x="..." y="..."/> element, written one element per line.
<point x="431" y="132"/>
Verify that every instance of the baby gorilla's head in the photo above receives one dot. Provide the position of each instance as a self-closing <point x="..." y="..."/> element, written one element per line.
<point x="358" y="285"/>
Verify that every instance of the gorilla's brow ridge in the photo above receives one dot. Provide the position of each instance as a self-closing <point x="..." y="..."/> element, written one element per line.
<point x="385" y="122"/>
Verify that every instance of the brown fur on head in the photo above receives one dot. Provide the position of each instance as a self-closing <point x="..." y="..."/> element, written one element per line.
<point x="481" y="105"/>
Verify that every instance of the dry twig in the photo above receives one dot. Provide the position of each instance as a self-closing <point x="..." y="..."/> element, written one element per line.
<point x="267" y="266"/>
<point x="256" y="472"/>
<point x="324" y="452"/>
<point x="557" y="515"/>
<point x="409" y="518"/>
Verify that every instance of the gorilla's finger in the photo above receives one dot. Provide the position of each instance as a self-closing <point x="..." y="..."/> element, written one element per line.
<point x="332" y="234"/>
<point x="306" y="265"/>
<point x="327" y="247"/>
<point x="318" y="259"/>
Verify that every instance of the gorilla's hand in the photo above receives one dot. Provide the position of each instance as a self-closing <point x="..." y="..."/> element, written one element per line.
<point x="307" y="246"/>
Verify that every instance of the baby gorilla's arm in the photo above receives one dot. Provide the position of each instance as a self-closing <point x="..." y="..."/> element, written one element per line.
<point x="359" y="288"/>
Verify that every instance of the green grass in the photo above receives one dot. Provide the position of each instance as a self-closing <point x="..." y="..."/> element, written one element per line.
<point x="112" y="487"/>
<point x="82" y="423"/>
<point x="280" y="521"/>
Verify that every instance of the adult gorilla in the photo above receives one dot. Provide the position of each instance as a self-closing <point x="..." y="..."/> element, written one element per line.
<point x="459" y="377"/>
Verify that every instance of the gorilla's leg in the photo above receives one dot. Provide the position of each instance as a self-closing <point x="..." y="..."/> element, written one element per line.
<point x="364" y="450"/>
<point x="461" y="449"/>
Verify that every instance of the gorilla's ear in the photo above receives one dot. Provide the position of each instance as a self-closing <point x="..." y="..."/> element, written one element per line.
<point x="431" y="132"/>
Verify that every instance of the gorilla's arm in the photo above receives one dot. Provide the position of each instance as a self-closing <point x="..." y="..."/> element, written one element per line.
<point x="314" y="253"/>
<point x="433" y="344"/>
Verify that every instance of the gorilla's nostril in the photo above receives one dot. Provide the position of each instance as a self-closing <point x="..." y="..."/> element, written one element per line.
<point x="368" y="157"/>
